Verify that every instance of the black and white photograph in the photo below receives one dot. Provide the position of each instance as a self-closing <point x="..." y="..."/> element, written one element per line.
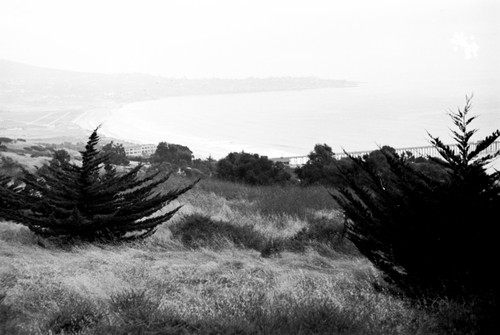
<point x="249" y="167"/>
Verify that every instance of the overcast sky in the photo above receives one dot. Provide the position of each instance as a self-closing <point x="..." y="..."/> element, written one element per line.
<point x="357" y="40"/>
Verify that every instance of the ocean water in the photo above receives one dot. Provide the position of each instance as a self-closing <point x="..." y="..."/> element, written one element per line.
<point x="290" y="123"/>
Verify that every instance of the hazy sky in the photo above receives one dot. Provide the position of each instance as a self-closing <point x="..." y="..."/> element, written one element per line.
<point x="358" y="40"/>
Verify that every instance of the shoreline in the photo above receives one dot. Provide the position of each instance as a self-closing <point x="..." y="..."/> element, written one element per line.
<point x="92" y="118"/>
<point x="283" y="124"/>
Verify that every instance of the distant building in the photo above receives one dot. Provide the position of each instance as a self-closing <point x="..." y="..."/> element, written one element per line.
<point x="292" y="162"/>
<point x="144" y="150"/>
<point x="298" y="161"/>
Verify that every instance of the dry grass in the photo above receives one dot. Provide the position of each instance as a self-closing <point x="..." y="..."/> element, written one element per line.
<point x="203" y="288"/>
<point x="159" y="286"/>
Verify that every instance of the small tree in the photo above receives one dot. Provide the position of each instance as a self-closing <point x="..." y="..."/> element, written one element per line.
<point x="251" y="169"/>
<point x="60" y="157"/>
<point x="428" y="234"/>
<point x="319" y="167"/>
<point x="90" y="202"/>
<point x="116" y="152"/>
<point x="179" y="156"/>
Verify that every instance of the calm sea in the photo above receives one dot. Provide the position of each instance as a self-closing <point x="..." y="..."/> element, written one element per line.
<point x="290" y="123"/>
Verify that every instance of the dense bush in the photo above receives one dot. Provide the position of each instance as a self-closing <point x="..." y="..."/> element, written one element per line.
<point x="429" y="234"/>
<point x="320" y="167"/>
<point x="196" y="231"/>
<point x="11" y="167"/>
<point x="116" y="153"/>
<point x="177" y="155"/>
<point x="89" y="201"/>
<point x="292" y="200"/>
<point x="59" y="158"/>
<point x="7" y="317"/>
<point x="322" y="230"/>
<point x="251" y="169"/>
<point x="4" y="140"/>
<point x="74" y="317"/>
<point x="325" y="169"/>
<point x="206" y="166"/>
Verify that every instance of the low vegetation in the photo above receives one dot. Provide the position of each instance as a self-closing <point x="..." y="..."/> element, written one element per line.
<point x="251" y="169"/>
<point x="168" y="283"/>
<point x="267" y="259"/>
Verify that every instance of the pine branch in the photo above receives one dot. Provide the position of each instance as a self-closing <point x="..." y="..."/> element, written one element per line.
<point x="81" y="202"/>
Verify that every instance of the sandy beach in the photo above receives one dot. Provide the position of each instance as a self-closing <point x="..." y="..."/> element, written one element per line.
<point x="92" y="118"/>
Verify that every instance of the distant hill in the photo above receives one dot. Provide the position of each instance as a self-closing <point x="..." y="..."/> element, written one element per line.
<point x="22" y="84"/>
<point x="43" y="103"/>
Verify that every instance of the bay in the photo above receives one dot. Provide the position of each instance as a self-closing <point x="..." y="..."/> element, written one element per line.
<point x="290" y="123"/>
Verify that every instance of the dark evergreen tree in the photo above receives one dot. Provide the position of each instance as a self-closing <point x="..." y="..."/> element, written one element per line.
<point x="8" y="196"/>
<point x="90" y="201"/>
<point x="432" y="234"/>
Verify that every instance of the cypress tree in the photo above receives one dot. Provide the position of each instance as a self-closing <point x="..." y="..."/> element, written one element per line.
<point x="428" y="235"/>
<point x="84" y="202"/>
<point x="8" y="197"/>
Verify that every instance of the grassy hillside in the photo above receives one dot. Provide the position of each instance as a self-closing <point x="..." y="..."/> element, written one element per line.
<point x="221" y="285"/>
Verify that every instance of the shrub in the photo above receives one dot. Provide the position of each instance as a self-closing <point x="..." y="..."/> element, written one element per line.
<point x="135" y="312"/>
<point x="6" y="140"/>
<point x="86" y="203"/>
<point x="116" y="152"/>
<point x="273" y="247"/>
<point x="321" y="230"/>
<point x="74" y="317"/>
<point x="7" y="317"/>
<point x="38" y="148"/>
<point x="429" y="236"/>
<point x="197" y="231"/>
<point x="11" y="167"/>
<point x="175" y="154"/>
<point x="134" y="306"/>
<point x="292" y="200"/>
<point x="324" y="235"/>
<point x="251" y="169"/>
<point x="319" y="167"/>
<point x="323" y="167"/>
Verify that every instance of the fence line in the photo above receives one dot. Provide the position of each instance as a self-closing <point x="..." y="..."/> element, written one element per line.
<point x="422" y="151"/>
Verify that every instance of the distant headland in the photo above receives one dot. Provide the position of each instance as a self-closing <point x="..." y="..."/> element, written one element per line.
<point x="22" y="84"/>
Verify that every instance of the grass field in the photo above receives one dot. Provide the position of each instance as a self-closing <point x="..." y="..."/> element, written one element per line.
<point x="312" y="282"/>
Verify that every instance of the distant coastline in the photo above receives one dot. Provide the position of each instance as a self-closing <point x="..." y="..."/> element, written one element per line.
<point x="44" y="103"/>
<point x="37" y="86"/>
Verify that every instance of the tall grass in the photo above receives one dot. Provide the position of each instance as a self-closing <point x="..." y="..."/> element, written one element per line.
<point x="163" y="286"/>
<point x="293" y="200"/>
<point x="135" y="288"/>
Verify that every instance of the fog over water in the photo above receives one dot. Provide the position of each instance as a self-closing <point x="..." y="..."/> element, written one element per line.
<point x="290" y="123"/>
